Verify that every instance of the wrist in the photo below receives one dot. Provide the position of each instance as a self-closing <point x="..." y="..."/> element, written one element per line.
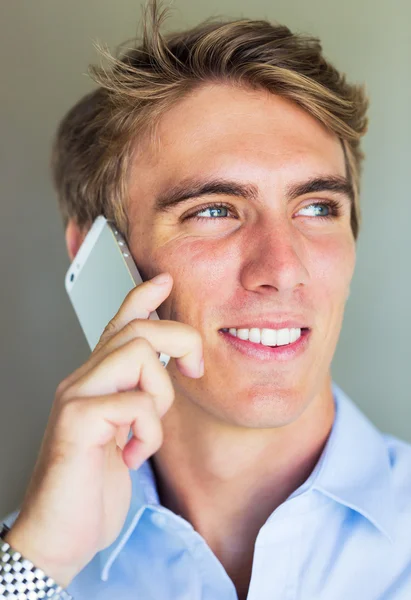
<point x="20" y="542"/>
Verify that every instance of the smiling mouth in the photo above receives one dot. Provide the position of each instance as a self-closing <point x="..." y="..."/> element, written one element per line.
<point x="270" y="338"/>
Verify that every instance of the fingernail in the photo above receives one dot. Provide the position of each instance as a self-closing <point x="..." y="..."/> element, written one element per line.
<point x="201" y="369"/>
<point x="161" y="279"/>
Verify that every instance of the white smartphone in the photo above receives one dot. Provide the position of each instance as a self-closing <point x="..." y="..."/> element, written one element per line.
<point x="101" y="275"/>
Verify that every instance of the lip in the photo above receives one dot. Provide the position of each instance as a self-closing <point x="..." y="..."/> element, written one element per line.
<point x="295" y="323"/>
<point x="265" y="353"/>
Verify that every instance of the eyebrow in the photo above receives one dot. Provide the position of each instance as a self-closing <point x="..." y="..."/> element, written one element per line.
<point x="194" y="188"/>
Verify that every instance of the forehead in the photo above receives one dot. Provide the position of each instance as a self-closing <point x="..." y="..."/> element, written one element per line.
<point x="223" y="130"/>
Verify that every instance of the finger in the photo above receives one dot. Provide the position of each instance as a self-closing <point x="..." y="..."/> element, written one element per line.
<point x="178" y="340"/>
<point x="94" y="422"/>
<point x="138" y="304"/>
<point x="131" y="365"/>
<point x="147" y="437"/>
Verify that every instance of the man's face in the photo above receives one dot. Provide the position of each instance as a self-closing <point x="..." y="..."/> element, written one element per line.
<point x="261" y="257"/>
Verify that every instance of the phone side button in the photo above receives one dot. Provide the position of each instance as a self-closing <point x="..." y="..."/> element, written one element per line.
<point x="164" y="359"/>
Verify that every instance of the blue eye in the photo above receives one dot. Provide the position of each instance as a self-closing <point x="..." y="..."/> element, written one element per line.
<point x="331" y="208"/>
<point x="215" y="209"/>
<point x="320" y="209"/>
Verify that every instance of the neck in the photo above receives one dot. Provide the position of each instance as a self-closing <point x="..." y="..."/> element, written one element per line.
<point x="227" y="481"/>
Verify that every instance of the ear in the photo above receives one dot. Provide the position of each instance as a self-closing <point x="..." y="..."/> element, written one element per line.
<point x="74" y="237"/>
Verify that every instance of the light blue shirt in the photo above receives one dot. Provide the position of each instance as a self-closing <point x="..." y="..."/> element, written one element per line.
<point x="345" y="534"/>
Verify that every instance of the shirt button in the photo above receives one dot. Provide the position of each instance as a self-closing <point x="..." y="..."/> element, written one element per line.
<point x="159" y="519"/>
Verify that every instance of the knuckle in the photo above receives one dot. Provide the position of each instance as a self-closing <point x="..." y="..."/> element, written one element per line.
<point x="109" y="330"/>
<point x="140" y="345"/>
<point x="68" y="393"/>
<point x="61" y="388"/>
<point x="73" y="422"/>
<point x="74" y="408"/>
<point x="133" y="327"/>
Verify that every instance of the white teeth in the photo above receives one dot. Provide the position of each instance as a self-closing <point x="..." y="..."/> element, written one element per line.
<point x="267" y="337"/>
<point x="254" y="335"/>
<point x="283" y="337"/>
<point x="293" y="335"/>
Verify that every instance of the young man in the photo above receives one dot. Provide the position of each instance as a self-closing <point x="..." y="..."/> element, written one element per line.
<point x="229" y="156"/>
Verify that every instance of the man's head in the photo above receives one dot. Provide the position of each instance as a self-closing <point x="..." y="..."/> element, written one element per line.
<point x="239" y="114"/>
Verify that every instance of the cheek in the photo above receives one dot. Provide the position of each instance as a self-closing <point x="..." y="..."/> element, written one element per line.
<point x="199" y="271"/>
<point x="332" y="267"/>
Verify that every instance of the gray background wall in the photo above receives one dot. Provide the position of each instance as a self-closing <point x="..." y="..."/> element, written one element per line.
<point x="46" y="47"/>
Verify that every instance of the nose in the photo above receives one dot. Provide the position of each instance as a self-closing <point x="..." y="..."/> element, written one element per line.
<point x="274" y="257"/>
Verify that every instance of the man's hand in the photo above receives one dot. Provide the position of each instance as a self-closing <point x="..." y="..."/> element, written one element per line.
<point x="80" y="490"/>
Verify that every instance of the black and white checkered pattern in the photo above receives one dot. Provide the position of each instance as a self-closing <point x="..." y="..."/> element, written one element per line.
<point x="21" y="580"/>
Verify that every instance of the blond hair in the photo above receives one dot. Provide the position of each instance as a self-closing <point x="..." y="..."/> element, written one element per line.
<point x="94" y="142"/>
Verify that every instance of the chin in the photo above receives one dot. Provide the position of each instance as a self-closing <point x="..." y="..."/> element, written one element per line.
<point x="262" y="410"/>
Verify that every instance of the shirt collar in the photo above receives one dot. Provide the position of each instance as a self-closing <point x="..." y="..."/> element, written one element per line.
<point x="353" y="470"/>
